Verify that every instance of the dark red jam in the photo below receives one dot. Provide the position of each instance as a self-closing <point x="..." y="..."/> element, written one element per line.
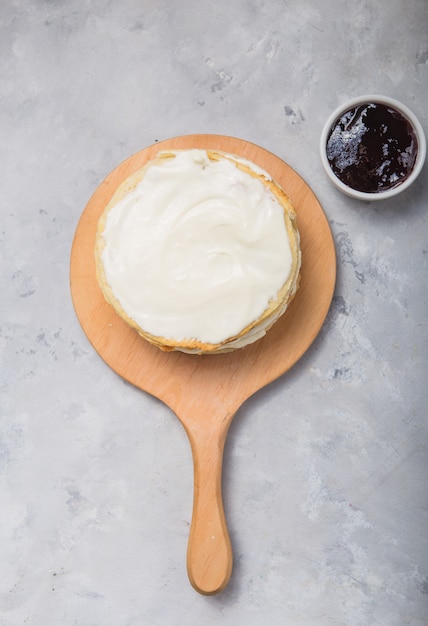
<point x="372" y="148"/>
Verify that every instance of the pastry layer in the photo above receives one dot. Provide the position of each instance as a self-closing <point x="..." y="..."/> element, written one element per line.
<point x="199" y="251"/>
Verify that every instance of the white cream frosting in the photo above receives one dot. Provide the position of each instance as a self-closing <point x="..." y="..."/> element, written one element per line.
<point x="197" y="249"/>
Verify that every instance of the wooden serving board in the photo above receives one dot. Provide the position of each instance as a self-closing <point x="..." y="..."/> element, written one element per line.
<point x="206" y="391"/>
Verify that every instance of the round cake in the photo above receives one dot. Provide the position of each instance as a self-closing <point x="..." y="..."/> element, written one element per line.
<point x="199" y="251"/>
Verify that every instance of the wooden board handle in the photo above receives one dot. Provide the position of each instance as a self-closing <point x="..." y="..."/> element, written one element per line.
<point x="209" y="553"/>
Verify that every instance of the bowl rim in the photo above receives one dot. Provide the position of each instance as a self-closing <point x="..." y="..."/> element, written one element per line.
<point x="377" y="99"/>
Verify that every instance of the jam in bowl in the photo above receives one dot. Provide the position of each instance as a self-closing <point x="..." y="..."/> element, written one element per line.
<point x="373" y="147"/>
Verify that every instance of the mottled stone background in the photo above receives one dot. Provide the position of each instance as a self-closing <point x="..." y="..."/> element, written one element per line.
<point x="325" y="476"/>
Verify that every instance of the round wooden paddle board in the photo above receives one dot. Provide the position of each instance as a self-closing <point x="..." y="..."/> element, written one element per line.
<point x="206" y="391"/>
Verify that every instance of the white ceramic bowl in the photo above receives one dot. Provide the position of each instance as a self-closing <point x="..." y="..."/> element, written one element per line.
<point x="412" y="119"/>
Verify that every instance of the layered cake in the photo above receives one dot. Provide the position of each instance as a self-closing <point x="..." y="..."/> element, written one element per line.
<point x="199" y="251"/>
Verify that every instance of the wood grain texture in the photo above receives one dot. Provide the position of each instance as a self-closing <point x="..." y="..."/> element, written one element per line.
<point x="206" y="391"/>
